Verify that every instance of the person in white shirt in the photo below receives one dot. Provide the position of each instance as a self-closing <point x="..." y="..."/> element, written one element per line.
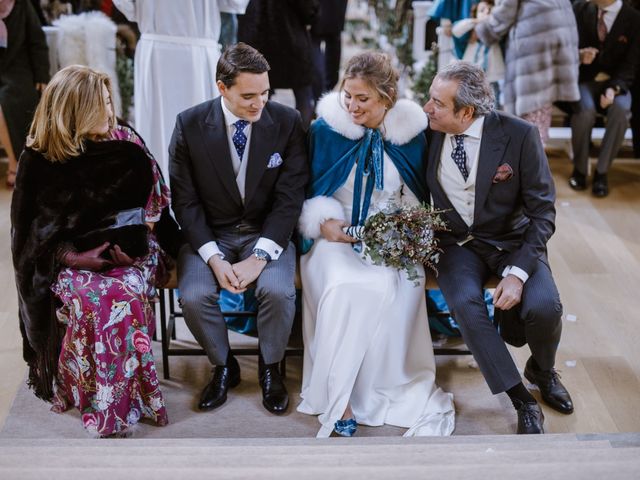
<point x="488" y="172"/>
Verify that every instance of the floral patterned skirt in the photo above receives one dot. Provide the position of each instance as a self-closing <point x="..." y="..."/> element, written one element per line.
<point x="106" y="368"/>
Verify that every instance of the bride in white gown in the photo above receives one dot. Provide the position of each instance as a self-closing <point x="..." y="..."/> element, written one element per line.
<point x="368" y="354"/>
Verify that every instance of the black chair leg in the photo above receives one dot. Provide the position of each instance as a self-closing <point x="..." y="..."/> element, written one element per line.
<point x="165" y="340"/>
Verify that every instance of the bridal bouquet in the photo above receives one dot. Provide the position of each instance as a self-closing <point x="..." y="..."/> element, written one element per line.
<point x="402" y="237"/>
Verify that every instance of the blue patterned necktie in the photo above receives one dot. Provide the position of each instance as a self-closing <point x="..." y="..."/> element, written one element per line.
<point x="460" y="156"/>
<point x="239" y="138"/>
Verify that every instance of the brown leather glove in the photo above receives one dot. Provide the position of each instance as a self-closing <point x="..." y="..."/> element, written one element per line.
<point x="119" y="258"/>
<point x="88" y="260"/>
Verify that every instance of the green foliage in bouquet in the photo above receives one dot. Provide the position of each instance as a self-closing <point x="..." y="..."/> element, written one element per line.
<point x="404" y="237"/>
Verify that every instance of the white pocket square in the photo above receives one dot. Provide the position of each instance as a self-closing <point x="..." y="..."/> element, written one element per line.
<point x="275" y="160"/>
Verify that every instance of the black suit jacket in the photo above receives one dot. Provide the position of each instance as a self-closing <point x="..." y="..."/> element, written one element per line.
<point x="619" y="54"/>
<point x="204" y="190"/>
<point x="517" y="214"/>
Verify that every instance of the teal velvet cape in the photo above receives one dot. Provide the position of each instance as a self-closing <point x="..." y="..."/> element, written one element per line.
<point x="333" y="156"/>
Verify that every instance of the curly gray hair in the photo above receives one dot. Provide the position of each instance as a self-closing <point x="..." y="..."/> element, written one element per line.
<point x="473" y="89"/>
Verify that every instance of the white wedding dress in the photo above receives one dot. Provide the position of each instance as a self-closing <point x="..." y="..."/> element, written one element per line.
<point x="366" y="334"/>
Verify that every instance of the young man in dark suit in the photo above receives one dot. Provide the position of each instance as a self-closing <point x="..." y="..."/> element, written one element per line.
<point x="238" y="169"/>
<point x="488" y="171"/>
<point x="609" y="42"/>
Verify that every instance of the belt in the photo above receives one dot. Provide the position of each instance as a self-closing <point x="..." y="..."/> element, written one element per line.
<point x="199" y="41"/>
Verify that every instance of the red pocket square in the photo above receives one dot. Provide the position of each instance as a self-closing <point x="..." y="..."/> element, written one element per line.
<point x="623" y="39"/>
<point x="503" y="173"/>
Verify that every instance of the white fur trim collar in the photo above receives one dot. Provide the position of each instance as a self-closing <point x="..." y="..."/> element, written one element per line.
<point x="401" y="124"/>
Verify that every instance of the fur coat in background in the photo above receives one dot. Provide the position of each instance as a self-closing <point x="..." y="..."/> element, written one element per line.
<point x="90" y="39"/>
<point x="541" y="54"/>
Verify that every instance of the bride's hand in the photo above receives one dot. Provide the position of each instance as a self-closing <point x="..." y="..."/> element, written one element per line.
<point x="331" y="230"/>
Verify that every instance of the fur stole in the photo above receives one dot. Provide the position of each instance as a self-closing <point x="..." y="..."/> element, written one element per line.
<point x="401" y="124"/>
<point x="52" y="204"/>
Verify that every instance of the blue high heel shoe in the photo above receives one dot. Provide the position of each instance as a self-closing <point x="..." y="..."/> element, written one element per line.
<point x="346" y="428"/>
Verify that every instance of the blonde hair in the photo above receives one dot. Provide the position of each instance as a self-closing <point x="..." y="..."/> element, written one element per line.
<point x="376" y="70"/>
<point x="71" y="107"/>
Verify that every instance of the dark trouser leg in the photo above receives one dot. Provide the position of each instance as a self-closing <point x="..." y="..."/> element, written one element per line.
<point x="541" y="312"/>
<point x="332" y="55"/>
<point x="199" y="293"/>
<point x="461" y="278"/>
<point x="276" y="295"/>
<point x="582" y="121"/>
<point x="617" y="121"/>
<point x="304" y="103"/>
<point x="318" y="61"/>
<point x="635" y="115"/>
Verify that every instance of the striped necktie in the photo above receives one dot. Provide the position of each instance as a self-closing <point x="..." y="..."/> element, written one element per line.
<point x="601" y="26"/>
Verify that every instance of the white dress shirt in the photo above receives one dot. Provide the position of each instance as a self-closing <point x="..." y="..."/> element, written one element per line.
<point x="461" y="193"/>
<point x="611" y="13"/>
<point x="210" y="249"/>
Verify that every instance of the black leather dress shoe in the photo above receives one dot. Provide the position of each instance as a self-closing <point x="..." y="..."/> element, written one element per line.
<point x="578" y="181"/>
<point x="274" y="394"/>
<point x="551" y="388"/>
<point x="530" y="418"/>
<point x="224" y="377"/>
<point x="600" y="187"/>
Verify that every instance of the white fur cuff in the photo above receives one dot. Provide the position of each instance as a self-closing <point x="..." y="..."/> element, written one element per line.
<point x="315" y="211"/>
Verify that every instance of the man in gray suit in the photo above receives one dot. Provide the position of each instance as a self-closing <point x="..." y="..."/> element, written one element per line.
<point x="238" y="169"/>
<point x="488" y="171"/>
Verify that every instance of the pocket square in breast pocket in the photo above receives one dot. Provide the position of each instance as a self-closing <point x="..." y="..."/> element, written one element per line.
<point x="275" y="160"/>
<point x="503" y="173"/>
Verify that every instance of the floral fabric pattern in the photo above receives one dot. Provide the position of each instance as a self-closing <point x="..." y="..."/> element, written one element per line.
<point x="106" y="367"/>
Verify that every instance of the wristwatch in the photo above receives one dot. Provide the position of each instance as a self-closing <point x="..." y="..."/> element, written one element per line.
<point x="261" y="254"/>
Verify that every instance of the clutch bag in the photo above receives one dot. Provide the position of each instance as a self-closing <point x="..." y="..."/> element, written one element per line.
<point x="125" y="228"/>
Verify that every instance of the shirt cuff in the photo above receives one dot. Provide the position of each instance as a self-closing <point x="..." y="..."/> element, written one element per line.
<point x="272" y="248"/>
<point x="208" y="250"/>
<point x="518" y="272"/>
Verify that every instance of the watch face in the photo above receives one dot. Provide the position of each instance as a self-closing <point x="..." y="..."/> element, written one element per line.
<point x="261" y="254"/>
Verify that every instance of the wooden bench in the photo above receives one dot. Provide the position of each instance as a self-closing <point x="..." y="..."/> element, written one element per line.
<point x="169" y="313"/>
<point x="561" y="136"/>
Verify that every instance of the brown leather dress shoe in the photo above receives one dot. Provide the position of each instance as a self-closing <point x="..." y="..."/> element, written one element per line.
<point x="224" y="377"/>
<point x="530" y="418"/>
<point x="551" y="389"/>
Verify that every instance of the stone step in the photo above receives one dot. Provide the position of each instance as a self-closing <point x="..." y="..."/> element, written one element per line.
<point x="569" y="469"/>
<point x="81" y="458"/>
<point x="131" y="449"/>
<point x="544" y="440"/>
